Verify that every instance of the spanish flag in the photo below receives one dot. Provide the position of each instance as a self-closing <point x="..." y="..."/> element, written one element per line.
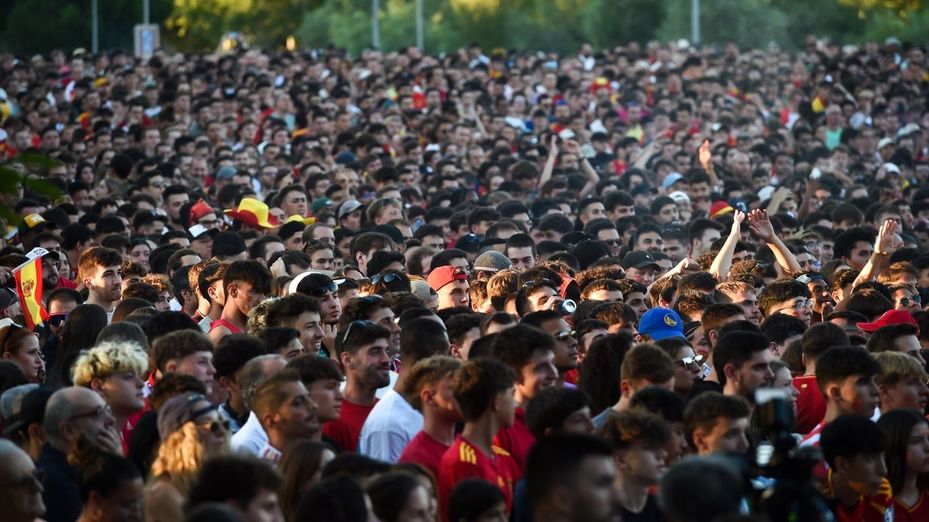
<point x="29" y="288"/>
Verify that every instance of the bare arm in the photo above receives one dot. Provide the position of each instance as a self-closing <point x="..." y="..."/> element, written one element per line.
<point x="763" y="230"/>
<point x="887" y="243"/>
<point x="723" y="260"/>
<point x="549" y="162"/>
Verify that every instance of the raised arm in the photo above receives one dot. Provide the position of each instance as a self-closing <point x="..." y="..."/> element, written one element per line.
<point x="761" y="226"/>
<point x="723" y="260"/>
<point x="573" y="147"/>
<point x="887" y="243"/>
<point x="549" y="162"/>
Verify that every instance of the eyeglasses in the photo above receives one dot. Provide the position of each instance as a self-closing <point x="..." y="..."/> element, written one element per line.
<point x="96" y="413"/>
<point x="690" y="361"/>
<point x="57" y="320"/>
<point x="564" y="335"/>
<point x="916" y="299"/>
<point x="798" y="305"/>
<point x="216" y="427"/>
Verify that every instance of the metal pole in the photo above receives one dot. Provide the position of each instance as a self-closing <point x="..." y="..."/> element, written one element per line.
<point x="375" y="25"/>
<point x="419" y="25"/>
<point x="145" y="12"/>
<point x="695" y="21"/>
<point x="94" y="28"/>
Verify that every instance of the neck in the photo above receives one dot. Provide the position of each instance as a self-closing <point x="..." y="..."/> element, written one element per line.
<point x="215" y="311"/>
<point x="204" y="307"/>
<point x="633" y="495"/>
<point x="522" y="400"/>
<point x="909" y="493"/>
<point x="232" y="315"/>
<point x="276" y="439"/>
<point x="236" y="405"/>
<point x="810" y="368"/>
<point x="622" y="404"/>
<point x="359" y="392"/>
<point x="438" y="427"/>
<point x="842" y="492"/>
<point x="832" y="412"/>
<point x="94" y="298"/>
<point x="482" y="432"/>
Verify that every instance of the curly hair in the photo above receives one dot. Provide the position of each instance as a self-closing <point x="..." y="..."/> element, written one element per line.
<point x="258" y="316"/>
<point x="109" y="358"/>
<point x="180" y="457"/>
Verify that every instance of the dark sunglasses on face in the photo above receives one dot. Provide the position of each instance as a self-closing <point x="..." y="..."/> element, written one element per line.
<point x="216" y="427"/>
<point x="389" y="277"/>
<point x="57" y="320"/>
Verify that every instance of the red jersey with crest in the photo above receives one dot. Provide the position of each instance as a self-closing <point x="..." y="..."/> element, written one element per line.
<point x="876" y="508"/>
<point x="466" y="460"/>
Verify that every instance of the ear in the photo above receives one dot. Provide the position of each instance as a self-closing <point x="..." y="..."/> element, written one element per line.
<point x="712" y="335"/>
<point x="346" y="359"/>
<point x="86" y="282"/>
<point x="699" y="441"/>
<point x="96" y="384"/>
<point x="232" y="290"/>
<point x="226" y="383"/>
<point x="833" y="392"/>
<point x="171" y="366"/>
<point x="625" y="388"/>
<point x="841" y="464"/>
<point x="455" y="350"/>
<point x="36" y="431"/>
<point x="7" y="355"/>
<point x="730" y="372"/>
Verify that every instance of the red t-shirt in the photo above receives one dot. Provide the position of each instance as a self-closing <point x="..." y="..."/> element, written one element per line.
<point x="346" y="430"/>
<point x="425" y="451"/>
<point x="918" y="512"/>
<point x="465" y="460"/>
<point x="877" y="508"/>
<point x="811" y="405"/>
<point x="517" y="439"/>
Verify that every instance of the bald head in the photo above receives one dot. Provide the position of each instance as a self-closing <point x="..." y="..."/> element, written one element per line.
<point x="16" y="468"/>
<point x="72" y="404"/>
<point x="256" y="372"/>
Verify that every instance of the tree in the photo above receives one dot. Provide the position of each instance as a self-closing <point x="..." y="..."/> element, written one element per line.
<point x="617" y="22"/>
<point x="748" y="23"/>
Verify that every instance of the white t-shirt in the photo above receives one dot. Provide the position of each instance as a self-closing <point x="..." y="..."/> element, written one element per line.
<point x="251" y="438"/>
<point x="390" y="426"/>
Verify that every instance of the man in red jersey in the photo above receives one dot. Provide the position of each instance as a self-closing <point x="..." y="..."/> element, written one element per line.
<point x="484" y="389"/>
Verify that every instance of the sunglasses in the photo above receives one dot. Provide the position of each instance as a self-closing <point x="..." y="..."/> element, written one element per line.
<point x="216" y="427"/>
<point x="564" y="335"/>
<point x="907" y="300"/>
<point x="57" y="320"/>
<point x="389" y="277"/>
<point x="690" y="361"/>
<point x="359" y="323"/>
<point x="320" y="291"/>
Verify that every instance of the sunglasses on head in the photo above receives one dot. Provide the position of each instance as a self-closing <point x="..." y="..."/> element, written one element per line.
<point x="360" y="323"/>
<point x="389" y="277"/>
<point x="320" y="291"/>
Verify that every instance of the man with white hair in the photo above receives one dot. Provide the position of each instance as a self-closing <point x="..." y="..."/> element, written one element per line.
<point x="20" y="489"/>
<point x="71" y="413"/>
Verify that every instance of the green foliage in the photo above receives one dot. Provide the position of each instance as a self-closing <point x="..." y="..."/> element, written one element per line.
<point x="883" y="23"/>
<point x="618" y="22"/>
<point x="750" y="23"/>
<point x="27" y="173"/>
<point x="39" y="26"/>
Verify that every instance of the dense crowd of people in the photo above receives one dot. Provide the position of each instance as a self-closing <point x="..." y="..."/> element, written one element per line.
<point x="642" y="284"/>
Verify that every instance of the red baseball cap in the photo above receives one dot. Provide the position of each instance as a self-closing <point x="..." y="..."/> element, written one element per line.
<point x="444" y="275"/>
<point x="198" y="210"/>
<point x="890" y="317"/>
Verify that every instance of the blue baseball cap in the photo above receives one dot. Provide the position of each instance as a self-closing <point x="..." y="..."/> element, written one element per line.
<point x="661" y="323"/>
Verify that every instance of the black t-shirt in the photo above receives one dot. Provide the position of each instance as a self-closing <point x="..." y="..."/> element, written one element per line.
<point x="705" y="386"/>
<point x="650" y="513"/>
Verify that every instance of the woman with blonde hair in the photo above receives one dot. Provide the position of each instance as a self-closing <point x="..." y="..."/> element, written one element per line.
<point x="191" y="431"/>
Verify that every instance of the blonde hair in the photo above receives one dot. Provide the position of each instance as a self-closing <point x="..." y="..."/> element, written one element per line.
<point x="897" y="366"/>
<point x="258" y="316"/>
<point x="180" y="457"/>
<point x="107" y="358"/>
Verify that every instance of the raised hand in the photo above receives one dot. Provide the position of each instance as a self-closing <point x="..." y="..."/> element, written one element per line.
<point x="761" y="225"/>
<point x="737" y="218"/>
<point x="705" y="154"/>
<point x="887" y="241"/>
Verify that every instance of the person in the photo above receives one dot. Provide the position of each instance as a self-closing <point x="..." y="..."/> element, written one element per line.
<point x="245" y="284"/>
<point x="670" y="407"/>
<point x="845" y="375"/>
<point x="301" y="468"/>
<point x="688" y="365"/>
<point x="21" y="346"/>
<point x="337" y="499"/>
<point x="485" y="391"/>
<point x="907" y="435"/>
<point x="300" y="312"/>
<point x="566" y="353"/>
<point x="100" y="271"/>
<point x="572" y="478"/>
<point x="71" y="413"/>
<point x="644" y="365"/>
<point x="229" y="358"/>
<point x="393" y="421"/>
<point x="191" y="431"/>
<point x="116" y="371"/>
<point x="530" y="353"/>
<point x="451" y="286"/>
<point x="717" y="423"/>
<point x="742" y="360"/>
<point x="476" y="500"/>
<point x="323" y="380"/>
<point x="639" y="439"/>
<point x="853" y="447"/>
<point x="897" y="338"/>
<point x="428" y="389"/>
<point x="249" y="486"/>
<point x="811" y="405"/>
<point x="721" y="490"/>
<point x="110" y="485"/>
<point x="559" y="410"/>
<point x="901" y="382"/>
<point x="399" y="497"/>
<point x="286" y="412"/>
<point x="282" y="340"/>
<point x="362" y="350"/>
<point x="20" y="489"/>
<point x="251" y="437"/>
<point x="189" y="352"/>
